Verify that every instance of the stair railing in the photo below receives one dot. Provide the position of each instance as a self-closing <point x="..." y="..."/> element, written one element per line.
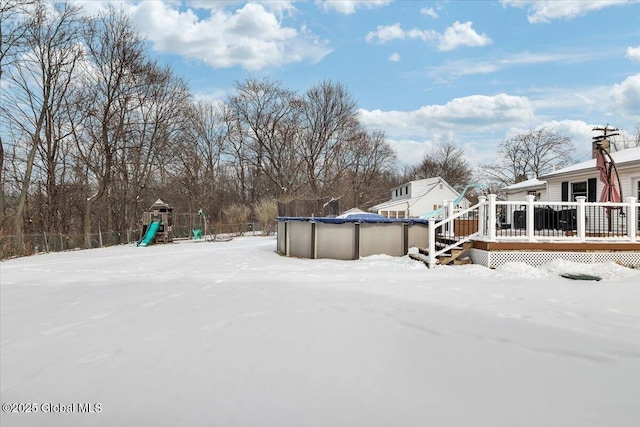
<point x="447" y="225"/>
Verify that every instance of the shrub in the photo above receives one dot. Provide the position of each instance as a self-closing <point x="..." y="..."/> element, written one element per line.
<point x="266" y="212"/>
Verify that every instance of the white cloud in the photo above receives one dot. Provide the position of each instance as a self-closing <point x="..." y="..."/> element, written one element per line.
<point x="455" y="69"/>
<point x="395" y="57"/>
<point x="453" y="37"/>
<point x="347" y="7"/>
<point x="471" y="112"/>
<point x="409" y="151"/>
<point x="627" y="96"/>
<point x="633" y="53"/>
<point x="429" y="12"/>
<point x="277" y="6"/>
<point x="548" y="10"/>
<point x="387" y="33"/>
<point x="251" y="37"/>
<point x="462" y="35"/>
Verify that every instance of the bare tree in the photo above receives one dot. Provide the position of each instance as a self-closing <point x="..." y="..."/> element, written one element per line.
<point x="448" y="162"/>
<point x="373" y="160"/>
<point x="39" y="82"/>
<point x="625" y="140"/>
<point x="207" y="163"/>
<point x="116" y="53"/>
<point x="156" y="120"/>
<point x="330" y="122"/>
<point x="13" y="17"/>
<point x="528" y="155"/>
<point x="264" y="132"/>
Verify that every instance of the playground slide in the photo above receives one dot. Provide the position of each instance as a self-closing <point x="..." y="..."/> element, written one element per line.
<point x="150" y="234"/>
<point x="456" y="202"/>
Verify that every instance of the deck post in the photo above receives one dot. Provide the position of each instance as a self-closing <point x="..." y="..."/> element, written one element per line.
<point x="445" y="215"/>
<point x="432" y="242"/>
<point x="632" y="219"/>
<point x="481" y="215"/>
<point x="581" y="218"/>
<point x="450" y="212"/>
<point x="492" y="218"/>
<point x="530" y="198"/>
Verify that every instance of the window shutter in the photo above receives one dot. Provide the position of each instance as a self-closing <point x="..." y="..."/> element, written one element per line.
<point x="565" y="191"/>
<point x="591" y="190"/>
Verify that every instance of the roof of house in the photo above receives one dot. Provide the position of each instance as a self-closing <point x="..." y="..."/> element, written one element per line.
<point x="529" y="183"/>
<point x="390" y="203"/>
<point x="428" y="181"/>
<point x="622" y="157"/>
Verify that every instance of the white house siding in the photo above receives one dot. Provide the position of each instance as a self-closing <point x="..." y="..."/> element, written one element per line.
<point x="518" y="192"/>
<point x="628" y="177"/>
<point x="521" y="195"/>
<point x="597" y="220"/>
<point x="427" y="195"/>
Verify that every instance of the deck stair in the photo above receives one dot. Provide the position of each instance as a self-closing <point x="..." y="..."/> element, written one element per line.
<point x="456" y="255"/>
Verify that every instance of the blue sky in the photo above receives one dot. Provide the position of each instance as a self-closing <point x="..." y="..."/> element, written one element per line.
<point x="473" y="72"/>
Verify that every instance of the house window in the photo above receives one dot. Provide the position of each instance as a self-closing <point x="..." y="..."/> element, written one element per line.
<point x="406" y="190"/>
<point x="578" y="189"/>
<point x="582" y="188"/>
<point x="401" y="214"/>
<point x="384" y="214"/>
<point x="401" y="191"/>
<point x="396" y="192"/>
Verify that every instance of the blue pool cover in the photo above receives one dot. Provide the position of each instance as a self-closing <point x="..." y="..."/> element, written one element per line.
<point x="355" y="218"/>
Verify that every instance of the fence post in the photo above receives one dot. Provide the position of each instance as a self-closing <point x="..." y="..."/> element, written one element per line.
<point x="432" y="242"/>
<point x="632" y="219"/>
<point x="46" y="244"/>
<point x="481" y="215"/>
<point x="529" y="199"/>
<point x="581" y="218"/>
<point x="492" y="218"/>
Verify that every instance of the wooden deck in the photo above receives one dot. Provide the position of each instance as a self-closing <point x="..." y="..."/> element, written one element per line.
<point x="558" y="246"/>
<point x="495" y="254"/>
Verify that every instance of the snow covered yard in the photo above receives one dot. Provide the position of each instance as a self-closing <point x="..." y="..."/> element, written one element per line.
<point x="232" y="334"/>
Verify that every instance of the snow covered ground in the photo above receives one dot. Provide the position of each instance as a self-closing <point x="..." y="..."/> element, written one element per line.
<point x="232" y="334"/>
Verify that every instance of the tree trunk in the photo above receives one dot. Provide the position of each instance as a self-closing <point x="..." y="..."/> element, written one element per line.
<point x="18" y="224"/>
<point x="1" y="181"/>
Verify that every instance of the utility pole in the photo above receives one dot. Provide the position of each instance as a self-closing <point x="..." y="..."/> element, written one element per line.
<point x="602" y="141"/>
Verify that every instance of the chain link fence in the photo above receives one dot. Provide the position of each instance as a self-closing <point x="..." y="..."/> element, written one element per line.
<point x="29" y="244"/>
<point x="12" y="246"/>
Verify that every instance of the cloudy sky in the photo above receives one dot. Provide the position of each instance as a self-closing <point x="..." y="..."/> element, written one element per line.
<point x="473" y="72"/>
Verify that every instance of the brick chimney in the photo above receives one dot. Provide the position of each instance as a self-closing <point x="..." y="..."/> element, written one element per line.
<point x="604" y="143"/>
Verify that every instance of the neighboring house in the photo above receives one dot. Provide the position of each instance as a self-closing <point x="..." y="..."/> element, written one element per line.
<point x="517" y="192"/>
<point x="582" y="179"/>
<point x="416" y="198"/>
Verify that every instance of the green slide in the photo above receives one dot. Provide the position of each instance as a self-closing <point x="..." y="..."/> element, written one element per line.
<point x="150" y="234"/>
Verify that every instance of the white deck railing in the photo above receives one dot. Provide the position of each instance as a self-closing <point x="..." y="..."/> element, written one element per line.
<point x="530" y="221"/>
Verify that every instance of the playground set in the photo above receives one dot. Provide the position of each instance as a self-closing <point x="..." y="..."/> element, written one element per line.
<point x="157" y="224"/>
<point x="160" y="222"/>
